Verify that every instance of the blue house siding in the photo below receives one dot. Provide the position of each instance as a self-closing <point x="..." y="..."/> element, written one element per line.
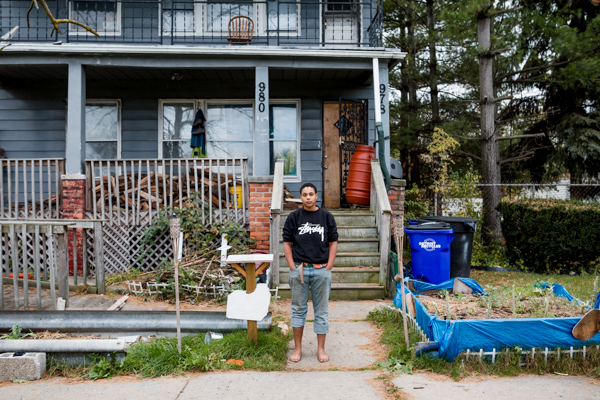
<point x="32" y="122"/>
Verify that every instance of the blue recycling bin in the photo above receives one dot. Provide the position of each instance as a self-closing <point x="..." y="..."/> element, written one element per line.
<point x="430" y="251"/>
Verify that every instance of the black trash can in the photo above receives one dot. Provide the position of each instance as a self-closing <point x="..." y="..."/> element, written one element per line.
<point x="461" y="249"/>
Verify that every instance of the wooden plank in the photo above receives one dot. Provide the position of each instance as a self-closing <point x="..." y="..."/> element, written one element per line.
<point x="25" y="272"/>
<point x="118" y="304"/>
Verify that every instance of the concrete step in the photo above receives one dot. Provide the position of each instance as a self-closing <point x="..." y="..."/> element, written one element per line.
<point x="348" y="291"/>
<point x="342" y="275"/>
<point x="352" y="232"/>
<point x="347" y="259"/>
<point x="351" y="245"/>
<point x="346" y="217"/>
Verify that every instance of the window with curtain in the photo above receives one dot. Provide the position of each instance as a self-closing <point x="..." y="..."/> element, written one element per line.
<point x="179" y="16"/>
<point x="103" y="16"/>
<point x="283" y="16"/>
<point x="177" y="120"/>
<point x="283" y="136"/>
<point x="218" y="14"/>
<point x="102" y="130"/>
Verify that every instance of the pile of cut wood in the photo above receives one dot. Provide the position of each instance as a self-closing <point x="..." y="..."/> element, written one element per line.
<point x="154" y="190"/>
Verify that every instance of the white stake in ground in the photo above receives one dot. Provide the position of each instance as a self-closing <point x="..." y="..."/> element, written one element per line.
<point x="175" y="230"/>
<point x="399" y="234"/>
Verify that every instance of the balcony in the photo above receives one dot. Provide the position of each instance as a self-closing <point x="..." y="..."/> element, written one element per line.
<point x="314" y="23"/>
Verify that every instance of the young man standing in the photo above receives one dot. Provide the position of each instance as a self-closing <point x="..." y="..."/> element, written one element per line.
<point x="310" y="245"/>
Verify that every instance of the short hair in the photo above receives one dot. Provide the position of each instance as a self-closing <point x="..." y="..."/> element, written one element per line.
<point x="310" y="185"/>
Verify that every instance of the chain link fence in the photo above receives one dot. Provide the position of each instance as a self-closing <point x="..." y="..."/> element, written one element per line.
<point x="467" y="199"/>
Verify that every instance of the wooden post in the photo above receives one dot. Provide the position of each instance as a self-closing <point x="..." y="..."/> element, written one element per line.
<point x="63" y="266"/>
<point x="250" y="287"/>
<point x="399" y="234"/>
<point x="99" y="258"/>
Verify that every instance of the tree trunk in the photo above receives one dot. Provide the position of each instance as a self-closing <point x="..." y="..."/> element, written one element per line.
<point x="435" y="107"/>
<point x="490" y="150"/>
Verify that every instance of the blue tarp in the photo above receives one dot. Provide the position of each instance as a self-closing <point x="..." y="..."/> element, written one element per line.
<point x="421" y="287"/>
<point x="456" y="336"/>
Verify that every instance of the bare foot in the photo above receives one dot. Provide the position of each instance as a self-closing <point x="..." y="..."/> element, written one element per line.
<point x="296" y="356"/>
<point x="322" y="356"/>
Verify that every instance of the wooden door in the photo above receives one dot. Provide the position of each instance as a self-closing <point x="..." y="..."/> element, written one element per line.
<point x="331" y="156"/>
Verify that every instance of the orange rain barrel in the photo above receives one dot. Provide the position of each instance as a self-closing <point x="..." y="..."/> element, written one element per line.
<point x="358" y="187"/>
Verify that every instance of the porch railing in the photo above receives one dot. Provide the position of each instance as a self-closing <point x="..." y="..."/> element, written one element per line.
<point x="203" y="22"/>
<point x="31" y="188"/>
<point x="380" y="207"/>
<point x="40" y="254"/>
<point x="127" y="191"/>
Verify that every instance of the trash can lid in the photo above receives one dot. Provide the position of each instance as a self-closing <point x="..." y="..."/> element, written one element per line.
<point x="468" y="224"/>
<point x="428" y="226"/>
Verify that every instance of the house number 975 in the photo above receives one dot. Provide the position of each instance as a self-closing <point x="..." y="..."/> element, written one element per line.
<point x="261" y="97"/>
<point x="382" y="95"/>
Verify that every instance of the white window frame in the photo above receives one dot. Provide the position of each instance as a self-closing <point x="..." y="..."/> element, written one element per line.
<point x="76" y="30"/>
<point x="116" y="102"/>
<point x="297" y="102"/>
<point x="161" y="104"/>
<point x="198" y="22"/>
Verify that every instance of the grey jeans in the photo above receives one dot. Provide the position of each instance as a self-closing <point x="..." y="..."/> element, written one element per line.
<point x="318" y="281"/>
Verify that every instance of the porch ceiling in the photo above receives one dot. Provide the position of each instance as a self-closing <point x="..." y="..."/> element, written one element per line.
<point x="9" y="73"/>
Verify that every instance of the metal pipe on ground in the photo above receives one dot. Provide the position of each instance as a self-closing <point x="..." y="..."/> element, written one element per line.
<point x="64" y="345"/>
<point x="156" y="322"/>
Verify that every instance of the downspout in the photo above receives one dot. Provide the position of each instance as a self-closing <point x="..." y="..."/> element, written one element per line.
<point x="379" y="127"/>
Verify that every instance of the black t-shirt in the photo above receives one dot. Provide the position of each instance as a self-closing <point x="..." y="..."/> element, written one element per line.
<point x="310" y="233"/>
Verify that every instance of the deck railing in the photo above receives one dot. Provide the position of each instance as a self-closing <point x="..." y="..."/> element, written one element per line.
<point x="380" y="207"/>
<point x="126" y="191"/>
<point x="203" y="22"/>
<point x="44" y="254"/>
<point x="31" y="188"/>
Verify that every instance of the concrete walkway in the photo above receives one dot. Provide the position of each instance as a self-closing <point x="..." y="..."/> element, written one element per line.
<point x="353" y="347"/>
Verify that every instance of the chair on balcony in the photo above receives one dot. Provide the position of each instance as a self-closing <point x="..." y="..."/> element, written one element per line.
<point x="241" y="29"/>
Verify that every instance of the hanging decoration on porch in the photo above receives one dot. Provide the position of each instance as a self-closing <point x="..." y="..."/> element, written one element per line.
<point x="198" y="143"/>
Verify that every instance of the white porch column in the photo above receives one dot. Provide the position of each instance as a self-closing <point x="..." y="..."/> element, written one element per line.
<point x="75" y="138"/>
<point x="384" y="97"/>
<point x="261" y="123"/>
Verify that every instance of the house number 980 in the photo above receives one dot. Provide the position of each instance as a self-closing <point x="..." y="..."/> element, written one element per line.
<point x="261" y="97"/>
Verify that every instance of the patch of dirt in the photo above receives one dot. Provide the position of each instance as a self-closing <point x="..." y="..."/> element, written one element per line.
<point x="469" y="306"/>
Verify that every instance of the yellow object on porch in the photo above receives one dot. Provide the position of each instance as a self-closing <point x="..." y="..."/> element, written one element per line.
<point x="238" y="195"/>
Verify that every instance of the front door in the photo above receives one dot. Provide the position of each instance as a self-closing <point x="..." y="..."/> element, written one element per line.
<point x="331" y="156"/>
<point x="344" y="128"/>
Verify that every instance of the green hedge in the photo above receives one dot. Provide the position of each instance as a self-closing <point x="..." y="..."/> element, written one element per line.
<point x="556" y="236"/>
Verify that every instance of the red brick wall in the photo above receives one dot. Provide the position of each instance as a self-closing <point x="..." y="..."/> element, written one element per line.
<point x="396" y="196"/>
<point x="73" y="191"/>
<point x="260" y="212"/>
